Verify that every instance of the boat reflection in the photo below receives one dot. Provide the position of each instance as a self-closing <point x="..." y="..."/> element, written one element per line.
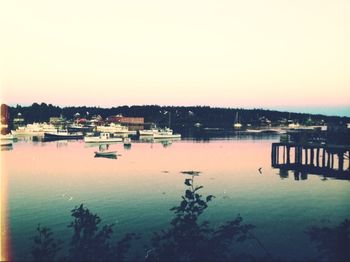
<point x="100" y="144"/>
<point x="61" y="143"/>
<point x="6" y="146"/>
<point x="164" y="141"/>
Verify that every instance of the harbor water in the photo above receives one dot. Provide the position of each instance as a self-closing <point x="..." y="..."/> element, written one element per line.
<point x="44" y="181"/>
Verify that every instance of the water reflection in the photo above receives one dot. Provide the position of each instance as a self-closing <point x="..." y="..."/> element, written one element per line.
<point x="303" y="174"/>
<point x="138" y="179"/>
<point x="283" y="173"/>
<point x="187" y="238"/>
<point x="62" y="143"/>
<point x="6" y="146"/>
<point x="166" y="142"/>
<point x="99" y="144"/>
<point x="89" y="241"/>
<point x="332" y="242"/>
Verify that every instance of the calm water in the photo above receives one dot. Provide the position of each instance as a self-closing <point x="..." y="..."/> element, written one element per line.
<point x="45" y="180"/>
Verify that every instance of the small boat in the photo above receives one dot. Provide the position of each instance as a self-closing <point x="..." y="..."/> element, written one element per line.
<point x="7" y="137"/>
<point x="80" y="128"/>
<point x="293" y="125"/>
<point x="107" y="154"/>
<point x="5" y="143"/>
<point x="34" y="129"/>
<point x="148" y="132"/>
<point x="253" y="131"/>
<point x="63" y="135"/>
<point x="166" y="133"/>
<point x="127" y="142"/>
<point x="113" y="128"/>
<point x="237" y="124"/>
<point x="102" y="138"/>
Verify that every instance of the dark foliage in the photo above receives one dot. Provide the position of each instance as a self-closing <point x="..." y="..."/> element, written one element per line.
<point x="45" y="247"/>
<point x="180" y="116"/>
<point x="188" y="239"/>
<point x="332" y="243"/>
<point x="88" y="243"/>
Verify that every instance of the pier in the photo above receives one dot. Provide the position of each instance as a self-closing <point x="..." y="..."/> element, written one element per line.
<point x="321" y="159"/>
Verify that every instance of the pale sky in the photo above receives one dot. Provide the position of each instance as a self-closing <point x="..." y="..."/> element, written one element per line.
<point x="246" y="53"/>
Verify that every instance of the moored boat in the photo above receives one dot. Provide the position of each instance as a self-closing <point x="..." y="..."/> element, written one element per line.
<point x="107" y="154"/>
<point x="113" y="128"/>
<point x="237" y="124"/>
<point x="5" y="143"/>
<point x="102" y="138"/>
<point x="166" y="133"/>
<point x="148" y="132"/>
<point x="7" y="137"/>
<point x="63" y="135"/>
<point x="34" y="129"/>
<point x="127" y="142"/>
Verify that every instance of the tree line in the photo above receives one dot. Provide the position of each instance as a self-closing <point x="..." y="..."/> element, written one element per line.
<point x="160" y="115"/>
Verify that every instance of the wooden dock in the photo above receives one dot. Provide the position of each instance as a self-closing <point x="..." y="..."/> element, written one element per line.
<point x="328" y="160"/>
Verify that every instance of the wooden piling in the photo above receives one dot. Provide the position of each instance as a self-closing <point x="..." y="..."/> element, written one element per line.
<point x="288" y="154"/>
<point x="306" y="156"/>
<point x="323" y="157"/>
<point x="312" y="156"/>
<point x="341" y="161"/>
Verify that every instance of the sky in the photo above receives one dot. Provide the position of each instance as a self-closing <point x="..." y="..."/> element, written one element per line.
<point x="278" y="54"/>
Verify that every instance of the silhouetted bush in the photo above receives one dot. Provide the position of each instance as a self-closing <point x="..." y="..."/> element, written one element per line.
<point x="45" y="247"/>
<point x="189" y="240"/>
<point x="332" y="243"/>
<point x="88" y="243"/>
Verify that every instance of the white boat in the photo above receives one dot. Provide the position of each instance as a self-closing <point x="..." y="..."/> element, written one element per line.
<point x="253" y="130"/>
<point x="165" y="133"/>
<point x="237" y="124"/>
<point x="80" y="127"/>
<point x="34" y="129"/>
<point x="7" y="137"/>
<point x="293" y="125"/>
<point x="266" y="130"/>
<point x="148" y="132"/>
<point x="127" y="141"/>
<point x="113" y="128"/>
<point x="102" y="138"/>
